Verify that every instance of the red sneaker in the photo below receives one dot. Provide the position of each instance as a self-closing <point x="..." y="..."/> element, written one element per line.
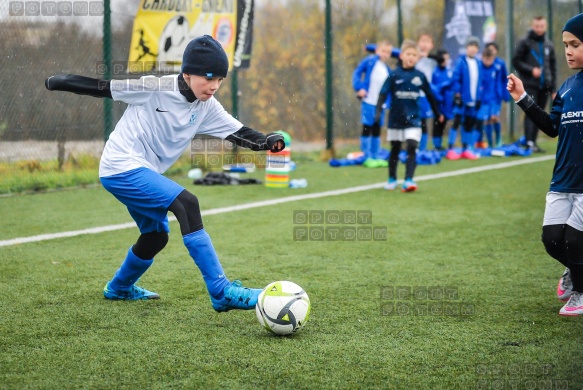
<point x="452" y="155"/>
<point x="468" y="155"/>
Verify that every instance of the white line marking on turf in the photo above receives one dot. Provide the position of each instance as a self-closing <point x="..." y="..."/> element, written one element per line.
<point x="269" y="202"/>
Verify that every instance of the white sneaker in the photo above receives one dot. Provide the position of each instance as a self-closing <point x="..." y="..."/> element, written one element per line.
<point x="565" y="286"/>
<point x="574" y="307"/>
<point x="390" y="185"/>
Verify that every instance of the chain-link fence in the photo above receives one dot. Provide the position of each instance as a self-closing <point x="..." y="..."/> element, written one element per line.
<point x="54" y="139"/>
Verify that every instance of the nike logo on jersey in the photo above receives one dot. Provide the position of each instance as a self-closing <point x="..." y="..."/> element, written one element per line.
<point x="564" y="93"/>
<point x="158" y="110"/>
<point x="400" y="81"/>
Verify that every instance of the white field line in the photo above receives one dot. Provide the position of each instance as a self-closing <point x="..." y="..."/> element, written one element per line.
<point x="269" y="202"/>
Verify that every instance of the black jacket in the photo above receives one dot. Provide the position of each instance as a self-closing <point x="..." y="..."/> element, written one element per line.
<point x="528" y="56"/>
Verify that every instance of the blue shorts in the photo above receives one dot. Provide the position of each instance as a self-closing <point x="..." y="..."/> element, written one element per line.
<point x="424" y="108"/>
<point x="465" y="111"/>
<point x="487" y="110"/>
<point x="368" y="112"/>
<point x="146" y="194"/>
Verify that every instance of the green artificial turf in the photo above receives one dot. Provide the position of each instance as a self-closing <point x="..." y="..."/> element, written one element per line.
<point x="459" y="293"/>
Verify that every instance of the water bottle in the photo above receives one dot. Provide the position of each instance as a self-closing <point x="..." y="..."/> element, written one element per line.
<point x="298" y="183"/>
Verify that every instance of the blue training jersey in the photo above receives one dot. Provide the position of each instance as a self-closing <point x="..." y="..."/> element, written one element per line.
<point x="362" y="75"/>
<point x="462" y="81"/>
<point x="494" y="82"/>
<point x="404" y="86"/>
<point x="566" y="121"/>
<point x="441" y="84"/>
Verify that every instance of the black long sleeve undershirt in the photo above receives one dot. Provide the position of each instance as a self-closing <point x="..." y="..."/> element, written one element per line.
<point x="541" y="119"/>
<point x="80" y="85"/>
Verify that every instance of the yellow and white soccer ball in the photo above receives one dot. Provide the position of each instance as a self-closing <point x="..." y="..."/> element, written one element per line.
<point x="283" y="308"/>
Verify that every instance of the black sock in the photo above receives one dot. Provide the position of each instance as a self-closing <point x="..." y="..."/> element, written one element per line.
<point x="574" y="249"/>
<point x="394" y="159"/>
<point x="576" y="271"/>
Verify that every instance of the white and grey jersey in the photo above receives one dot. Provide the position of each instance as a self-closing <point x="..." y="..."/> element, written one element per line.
<point x="379" y="74"/>
<point x="159" y="124"/>
<point x="426" y="66"/>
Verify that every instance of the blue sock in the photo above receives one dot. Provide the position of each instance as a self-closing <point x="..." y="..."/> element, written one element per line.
<point x="437" y="142"/>
<point x="476" y="137"/>
<point x="497" y="131"/>
<point x="467" y="139"/>
<point x="375" y="146"/>
<point x="423" y="142"/>
<point x="365" y="146"/>
<point x="452" y="137"/>
<point x="130" y="270"/>
<point x="201" y="249"/>
<point x="488" y="130"/>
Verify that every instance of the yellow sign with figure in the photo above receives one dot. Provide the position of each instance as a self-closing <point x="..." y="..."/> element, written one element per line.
<point x="163" y="28"/>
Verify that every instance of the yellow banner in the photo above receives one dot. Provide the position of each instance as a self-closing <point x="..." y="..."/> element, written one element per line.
<point x="163" y="28"/>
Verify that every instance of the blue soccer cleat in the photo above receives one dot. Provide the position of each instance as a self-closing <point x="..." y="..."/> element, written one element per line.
<point x="236" y="297"/>
<point x="135" y="293"/>
<point x="409" y="186"/>
<point x="391" y="184"/>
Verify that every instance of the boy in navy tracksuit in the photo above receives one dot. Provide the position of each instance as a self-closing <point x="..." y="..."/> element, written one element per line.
<point x="367" y="80"/>
<point x="404" y="86"/>
<point x="563" y="219"/>
<point x="442" y="88"/>
<point x="467" y="79"/>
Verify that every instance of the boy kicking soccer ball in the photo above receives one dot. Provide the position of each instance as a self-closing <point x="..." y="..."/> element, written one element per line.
<point x="563" y="219"/>
<point x="162" y="117"/>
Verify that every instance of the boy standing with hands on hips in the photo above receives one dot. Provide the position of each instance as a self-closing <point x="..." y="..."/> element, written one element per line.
<point x="562" y="233"/>
<point x="162" y="117"/>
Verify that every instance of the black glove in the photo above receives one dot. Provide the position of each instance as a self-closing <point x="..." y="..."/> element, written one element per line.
<point x="478" y="104"/>
<point x="457" y="100"/>
<point x="271" y="139"/>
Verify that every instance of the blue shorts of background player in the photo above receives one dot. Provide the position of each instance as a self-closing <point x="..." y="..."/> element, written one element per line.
<point x="465" y="111"/>
<point x="489" y="118"/>
<point x="367" y="115"/>
<point x="487" y="110"/>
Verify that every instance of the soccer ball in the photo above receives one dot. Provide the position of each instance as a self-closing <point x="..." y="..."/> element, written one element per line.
<point x="173" y="40"/>
<point x="283" y="308"/>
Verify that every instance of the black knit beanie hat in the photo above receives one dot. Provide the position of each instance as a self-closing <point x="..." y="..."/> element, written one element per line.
<point x="204" y="56"/>
<point x="575" y="26"/>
